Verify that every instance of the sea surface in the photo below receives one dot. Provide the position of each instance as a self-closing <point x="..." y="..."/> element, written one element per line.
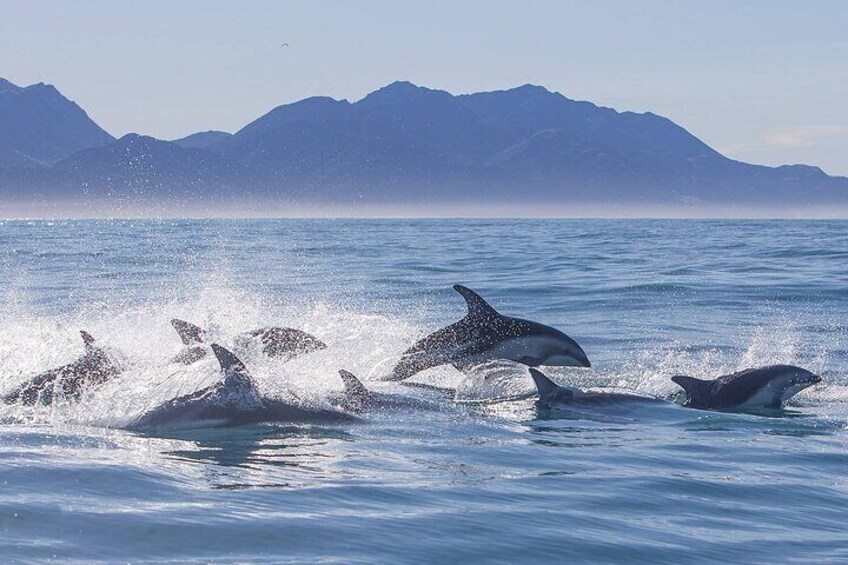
<point x="474" y="472"/>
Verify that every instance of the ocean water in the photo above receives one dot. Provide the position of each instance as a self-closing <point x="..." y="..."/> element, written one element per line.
<point x="468" y="476"/>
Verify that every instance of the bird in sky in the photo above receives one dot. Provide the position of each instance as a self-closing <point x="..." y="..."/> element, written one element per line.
<point x="284" y="45"/>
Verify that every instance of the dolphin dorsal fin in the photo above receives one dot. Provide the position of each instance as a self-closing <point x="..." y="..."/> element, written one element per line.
<point x="545" y="386"/>
<point x="87" y="339"/>
<point x="189" y="333"/>
<point x="228" y="361"/>
<point x="689" y="384"/>
<point x="353" y="386"/>
<point x="477" y="307"/>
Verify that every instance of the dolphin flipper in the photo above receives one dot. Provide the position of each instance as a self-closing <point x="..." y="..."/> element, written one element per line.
<point x="477" y="307"/>
<point x="188" y="332"/>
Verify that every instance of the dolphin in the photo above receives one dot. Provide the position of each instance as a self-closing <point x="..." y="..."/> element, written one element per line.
<point x="277" y="342"/>
<point x="95" y="367"/>
<point x="233" y="401"/>
<point x="285" y="343"/>
<point x="551" y="395"/>
<point x="485" y="335"/>
<point x="759" y="388"/>
<point x="358" y="399"/>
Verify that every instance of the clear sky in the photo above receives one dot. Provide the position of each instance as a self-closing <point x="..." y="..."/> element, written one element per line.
<point x="762" y="81"/>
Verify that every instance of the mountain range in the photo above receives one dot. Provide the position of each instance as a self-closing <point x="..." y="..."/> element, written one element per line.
<point x="402" y="144"/>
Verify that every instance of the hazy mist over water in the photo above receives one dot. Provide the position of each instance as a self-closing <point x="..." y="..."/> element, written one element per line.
<point x="463" y="477"/>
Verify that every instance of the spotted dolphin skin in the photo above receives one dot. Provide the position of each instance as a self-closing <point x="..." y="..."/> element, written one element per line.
<point x="760" y="388"/>
<point x="277" y="342"/>
<point x="95" y="367"/>
<point x="485" y="335"/>
<point x="551" y="395"/>
<point x="233" y="401"/>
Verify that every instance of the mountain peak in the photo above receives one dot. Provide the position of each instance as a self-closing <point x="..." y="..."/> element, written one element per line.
<point x="6" y="86"/>
<point x="531" y="88"/>
<point x="401" y="91"/>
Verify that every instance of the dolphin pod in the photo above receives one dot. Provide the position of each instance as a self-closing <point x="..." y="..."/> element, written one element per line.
<point x="481" y="336"/>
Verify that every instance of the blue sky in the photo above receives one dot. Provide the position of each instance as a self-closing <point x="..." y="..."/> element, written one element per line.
<point x="761" y="81"/>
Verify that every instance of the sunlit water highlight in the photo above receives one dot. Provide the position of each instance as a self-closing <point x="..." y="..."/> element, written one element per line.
<point x="457" y="478"/>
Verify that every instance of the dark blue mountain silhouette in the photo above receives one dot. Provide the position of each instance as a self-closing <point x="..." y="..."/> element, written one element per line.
<point x="202" y="140"/>
<point x="408" y="144"/>
<point x="38" y="124"/>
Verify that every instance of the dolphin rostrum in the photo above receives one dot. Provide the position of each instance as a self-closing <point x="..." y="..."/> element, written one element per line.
<point x="277" y="342"/>
<point x="95" y="367"/>
<point x="763" y="387"/>
<point x="485" y="335"/>
<point x="551" y="395"/>
<point x="233" y="401"/>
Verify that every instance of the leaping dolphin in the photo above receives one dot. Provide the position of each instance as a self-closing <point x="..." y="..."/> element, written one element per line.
<point x="69" y="381"/>
<point x="233" y="401"/>
<point x="486" y="335"/>
<point x="277" y="342"/>
<point x="759" y="388"/>
<point x="284" y="343"/>
<point x="551" y="395"/>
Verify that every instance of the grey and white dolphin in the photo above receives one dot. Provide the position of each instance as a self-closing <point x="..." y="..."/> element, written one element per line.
<point x="276" y="342"/>
<point x="282" y="343"/>
<point x="486" y="335"/>
<point x="759" y="388"/>
<point x="551" y="395"/>
<point x="233" y="401"/>
<point x="94" y="368"/>
<point x="357" y="399"/>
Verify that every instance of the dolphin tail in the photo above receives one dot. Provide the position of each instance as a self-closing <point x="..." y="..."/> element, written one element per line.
<point x="477" y="307"/>
<point x="228" y="361"/>
<point x="189" y="333"/>
<point x="353" y="386"/>
<point x="86" y="338"/>
<point x="690" y="385"/>
<point x="544" y="385"/>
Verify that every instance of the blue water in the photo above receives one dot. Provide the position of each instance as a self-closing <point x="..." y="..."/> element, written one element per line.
<point x="470" y="479"/>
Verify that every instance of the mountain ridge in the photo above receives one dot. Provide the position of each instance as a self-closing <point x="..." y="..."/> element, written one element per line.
<point x="408" y="144"/>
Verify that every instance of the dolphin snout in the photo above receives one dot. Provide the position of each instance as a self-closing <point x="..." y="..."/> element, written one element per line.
<point x="815" y="379"/>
